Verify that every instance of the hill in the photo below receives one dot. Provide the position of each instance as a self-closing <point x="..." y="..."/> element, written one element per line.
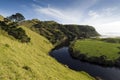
<point x="31" y="61"/>
<point x="1" y="18"/>
<point x="58" y="33"/>
<point x="100" y="51"/>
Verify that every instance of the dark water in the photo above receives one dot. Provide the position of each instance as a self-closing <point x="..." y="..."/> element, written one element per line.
<point x="106" y="73"/>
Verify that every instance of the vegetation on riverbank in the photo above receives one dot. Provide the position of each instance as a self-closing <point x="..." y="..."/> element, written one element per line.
<point x="99" y="51"/>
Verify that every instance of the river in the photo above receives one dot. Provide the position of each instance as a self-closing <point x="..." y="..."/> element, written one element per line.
<point x="106" y="73"/>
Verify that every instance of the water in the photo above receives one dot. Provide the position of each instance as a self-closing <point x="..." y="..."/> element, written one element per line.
<point x="106" y="73"/>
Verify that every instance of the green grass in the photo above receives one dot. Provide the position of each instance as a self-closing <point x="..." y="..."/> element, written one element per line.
<point x="97" y="48"/>
<point x="30" y="61"/>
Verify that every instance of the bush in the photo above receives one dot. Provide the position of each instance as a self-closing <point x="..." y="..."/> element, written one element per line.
<point x="14" y="31"/>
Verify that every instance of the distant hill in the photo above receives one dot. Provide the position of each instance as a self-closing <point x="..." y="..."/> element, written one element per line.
<point x="57" y="33"/>
<point x="31" y="61"/>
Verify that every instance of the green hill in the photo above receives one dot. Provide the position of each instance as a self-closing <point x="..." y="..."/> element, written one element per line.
<point x="57" y="33"/>
<point x="31" y="61"/>
<point x="100" y="51"/>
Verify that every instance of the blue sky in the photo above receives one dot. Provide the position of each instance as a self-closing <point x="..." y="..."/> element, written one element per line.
<point x="104" y="15"/>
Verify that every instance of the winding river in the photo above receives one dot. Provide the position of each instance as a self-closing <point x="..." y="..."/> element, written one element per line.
<point x="106" y="73"/>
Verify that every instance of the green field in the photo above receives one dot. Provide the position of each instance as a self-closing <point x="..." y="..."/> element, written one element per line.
<point x="96" y="48"/>
<point x="31" y="61"/>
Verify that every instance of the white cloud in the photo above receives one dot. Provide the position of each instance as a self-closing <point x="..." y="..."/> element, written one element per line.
<point x="93" y="14"/>
<point x="109" y="11"/>
<point x="112" y="27"/>
<point x="58" y="14"/>
<point x="51" y="12"/>
<point x="71" y="14"/>
<point x="105" y="20"/>
<point x="103" y="14"/>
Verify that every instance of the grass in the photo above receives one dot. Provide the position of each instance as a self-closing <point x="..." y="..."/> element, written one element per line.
<point x="1" y="18"/>
<point x="30" y="61"/>
<point x="97" y="48"/>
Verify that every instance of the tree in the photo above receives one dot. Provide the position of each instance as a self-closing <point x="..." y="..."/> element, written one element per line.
<point x="16" y="17"/>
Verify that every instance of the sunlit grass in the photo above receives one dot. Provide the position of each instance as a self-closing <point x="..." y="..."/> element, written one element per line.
<point x="97" y="48"/>
<point x="30" y="61"/>
<point x="1" y="18"/>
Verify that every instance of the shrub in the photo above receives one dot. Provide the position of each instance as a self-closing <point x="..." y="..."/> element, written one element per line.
<point x="14" y="31"/>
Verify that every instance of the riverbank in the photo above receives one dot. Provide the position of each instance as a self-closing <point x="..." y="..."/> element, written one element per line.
<point x="96" y="51"/>
<point x="62" y="55"/>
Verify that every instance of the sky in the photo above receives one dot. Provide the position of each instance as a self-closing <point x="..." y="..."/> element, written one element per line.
<point x="103" y="15"/>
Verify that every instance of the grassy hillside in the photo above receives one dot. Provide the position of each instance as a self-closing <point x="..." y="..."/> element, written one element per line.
<point x="57" y="33"/>
<point x="30" y="61"/>
<point x="1" y="18"/>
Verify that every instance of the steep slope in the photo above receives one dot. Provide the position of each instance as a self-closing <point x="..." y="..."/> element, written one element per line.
<point x="57" y="33"/>
<point x="30" y="61"/>
<point x="1" y="18"/>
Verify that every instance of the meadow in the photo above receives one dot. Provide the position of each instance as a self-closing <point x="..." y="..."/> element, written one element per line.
<point x="97" y="48"/>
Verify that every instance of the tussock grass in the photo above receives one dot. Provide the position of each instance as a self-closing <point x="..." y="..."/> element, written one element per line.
<point x="30" y="61"/>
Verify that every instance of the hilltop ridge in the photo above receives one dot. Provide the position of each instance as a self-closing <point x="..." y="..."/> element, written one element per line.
<point x="57" y="33"/>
